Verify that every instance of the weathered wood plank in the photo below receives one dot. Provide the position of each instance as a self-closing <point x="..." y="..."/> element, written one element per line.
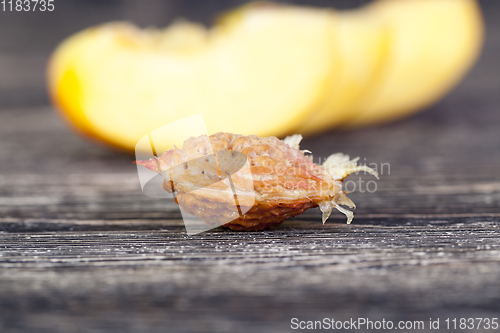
<point x="229" y="281"/>
<point x="82" y="247"/>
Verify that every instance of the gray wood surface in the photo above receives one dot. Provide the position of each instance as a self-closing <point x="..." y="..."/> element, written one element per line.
<point x="83" y="250"/>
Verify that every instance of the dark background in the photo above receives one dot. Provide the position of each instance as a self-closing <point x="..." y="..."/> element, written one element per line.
<point x="83" y="250"/>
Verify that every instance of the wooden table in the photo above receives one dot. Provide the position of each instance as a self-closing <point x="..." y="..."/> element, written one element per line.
<point x="83" y="250"/>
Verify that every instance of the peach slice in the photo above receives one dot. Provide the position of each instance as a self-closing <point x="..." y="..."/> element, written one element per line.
<point x="363" y="41"/>
<point x="261" y="73"/>
<point x="433" y="44"/>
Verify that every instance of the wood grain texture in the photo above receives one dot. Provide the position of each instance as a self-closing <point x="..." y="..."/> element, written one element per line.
<point x="83" y="250"/>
